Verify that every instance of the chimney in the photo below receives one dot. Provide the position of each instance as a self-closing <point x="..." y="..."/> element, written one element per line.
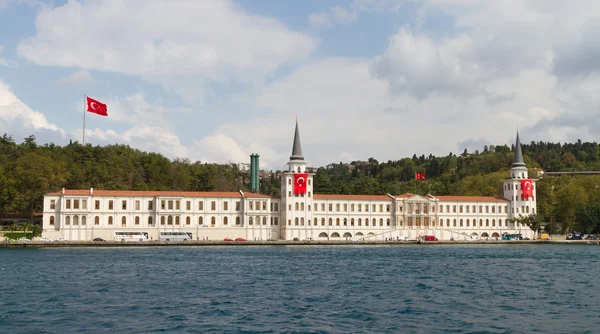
<point x="91" y="191"/>
<point x="63" y="191"/>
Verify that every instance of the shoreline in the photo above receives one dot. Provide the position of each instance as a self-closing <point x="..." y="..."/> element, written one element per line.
<point x="79" y="244"/>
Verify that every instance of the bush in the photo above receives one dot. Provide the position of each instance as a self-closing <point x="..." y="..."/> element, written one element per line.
<point x="17" y="235"/>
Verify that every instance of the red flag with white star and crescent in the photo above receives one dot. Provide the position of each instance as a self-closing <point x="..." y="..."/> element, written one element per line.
<point x="300" y="180"/>
<point x="527" y="188"/>
<point x="96" y="107"/>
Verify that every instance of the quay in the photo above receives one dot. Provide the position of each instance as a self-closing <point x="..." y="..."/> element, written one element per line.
<point x="75" y="244"/>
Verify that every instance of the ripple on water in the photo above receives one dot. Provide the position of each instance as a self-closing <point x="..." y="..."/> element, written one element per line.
<point x="461" y="289"/>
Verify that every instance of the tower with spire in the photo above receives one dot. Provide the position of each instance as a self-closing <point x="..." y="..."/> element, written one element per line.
<point x="520" y="206"/>
<point x="296" y="209"/>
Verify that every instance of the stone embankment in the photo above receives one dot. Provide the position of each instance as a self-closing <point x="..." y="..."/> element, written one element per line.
<point x="65" y="244"/>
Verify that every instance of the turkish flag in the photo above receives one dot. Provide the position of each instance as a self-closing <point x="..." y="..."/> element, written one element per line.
<point x="300" y="183"/>
<point x="419" y="176"/>
<point x="96" y="107"/>
<point x="527" y="188"/>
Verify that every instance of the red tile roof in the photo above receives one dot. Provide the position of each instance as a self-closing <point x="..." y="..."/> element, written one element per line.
<point x="470" y="199"/>
<point x="130" y="193"/>
<point x="352" y="197"/>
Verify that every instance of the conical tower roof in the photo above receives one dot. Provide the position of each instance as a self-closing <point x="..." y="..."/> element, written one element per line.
<point x="297" y="148"/>
<point x="518" y="162"/>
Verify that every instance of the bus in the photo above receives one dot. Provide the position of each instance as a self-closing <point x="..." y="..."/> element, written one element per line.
<point x="130" y="236"/>
<point x="175" y="236"/>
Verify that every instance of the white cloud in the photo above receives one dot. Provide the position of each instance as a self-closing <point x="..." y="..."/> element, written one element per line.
<point x="3" y="62"/>
<point x="182" y="45"/>
<point x="319" y="20"/>
<point x="79" y="78"/>
<point x="17" y="119"/>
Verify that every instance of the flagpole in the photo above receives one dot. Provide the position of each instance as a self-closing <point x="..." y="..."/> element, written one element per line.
<point x="415" y="183"/>
<point x="84" y="105"/>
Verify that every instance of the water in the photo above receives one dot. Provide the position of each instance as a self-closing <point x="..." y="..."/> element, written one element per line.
<point x="394" y="289"/>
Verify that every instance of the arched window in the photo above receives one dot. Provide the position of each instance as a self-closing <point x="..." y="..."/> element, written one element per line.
<point x="499" y="222"/>
<point x="388" y="222"/>
<point x="441" y="222"/>
<point x="176" y="220"/>
<point x="381" y="222"/>
<point x="276" y="221"/>
<point x="110" y="220"/>
<point x="200" y="221"/>
<point x="367" y="220"/>
<point x="170" y="220"/>
<point x="337" y="222"/>
<point x="487" y="222"/>
<point x="224" y="220"/>
<point x="68" y="220"/>
<point x="330" y="221"/>
<point x="467" y="223"/>
<point x="359" y="222"/>
<point x="461" y="223"/>
<point x="493" y="222"/>
<point x="315" y="222"/>
<point x="480" y="222"/>
<point x="454" y="222"/>
<point x="237" y="220"/>
<point x="162" y="220"/>
<point x="137" y="220"/>
<point x="83" y="220"/>
<point x="75" y="220"/>
<point x="123" y="221"/>
<point x="299" y="170"/>
<point x="302" y="221"/>
<point x="213" y="220"/>
<point x="302" y="206"/>
<point x="351" y="221"/>
<point x="345" y="222"/>
<point x="264" y="220"/>
<point x="447" y="222"/>
<point x="322" y="221"/>
<point x="52" y="220"/>
<point x="96" y="220"/>
<point x="188" y="220"/>
<point x="251" y="220"/>
<point x="297" y="206"/>
<point x="150" y="221"/>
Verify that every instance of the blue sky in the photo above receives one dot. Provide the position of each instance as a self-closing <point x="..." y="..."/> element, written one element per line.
<point x="218" y="80"/>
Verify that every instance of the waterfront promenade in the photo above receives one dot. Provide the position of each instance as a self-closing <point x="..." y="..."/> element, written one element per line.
<point x="69" y="244"/>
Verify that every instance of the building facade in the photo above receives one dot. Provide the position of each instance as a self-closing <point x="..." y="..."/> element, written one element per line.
<point x="297" y="214"/>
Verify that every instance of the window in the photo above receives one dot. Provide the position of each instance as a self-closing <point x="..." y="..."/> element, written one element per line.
<point x="330" y="221"/>
<point x="51" y="220"/>
<point x="297" y="206"/>
<point x="467" y="207"/>
<point x="170" y="205"/>
<point x="352" y="207"/>
<point x="352" y="222"/>
<point x="96" y="220"/>
<point x="289" y="193"/>
<point x="162" y="220"/>
<point x="264" y="220"/>
<point x="237" y="220"/>
<point x="67" y="220"/>
<point x="345" y="222"/>
<point x="177" y="220"/>
<point x="302" y="206"/>
<point x="251" y="221"/>
<point x="296" y="221"/>
<point x="359" y="207"/>
<point x="387" y="208"/>
<point x="322" y="221"/>
<point x="388" y="222"/>
<point x="124" y="205"/>
<point x="201" y="205"/>
<point x="302" y="221"/>
<point x="188" y="205"/>
<point x="380" y="207"/>
<point x="213" y="221"/>
<point x="345" y="207"/>
<point x="264" y="205"/>
<point x="237" y="206"/>
<point x="177" y="205"/>
<point x="224" y="220"/>
<point x="309" y="194"/>
<point x="225" y="206"/>
<point x="315" y="222"/>
<point x="493" y="209"/>
<point x="84" y="204"/>
<point x="52" y="204"/>
<point x="170" y="220"/>
<point x="374" y="207"/>
<point x="83" y="220"/>
<point x="137" y="205"/>
<point x="162" y="205"/>
<point x="309" y="182"/>
<point x="110" y="220"/>
<point x="337" y="222"/>
<point x="487" y="209"/>
<point x="460" y="209"/>
<point x="188" y="220"/>
<point x="110" y="204"/>
<point x="337" y="207"/>
<point x="213" y="205"/>
<point x="68" y="204"/>
<point x="150" y="221"/>
<point x="137" y="220"/>
<point x="276" y="208"/>
<point x="97" y="205"/>
<point x="480" y="209"/>
<point x="200" y="221"/>
<point x="276" y="221"/>
<point x="123" y="221"/>
<point x="75" y="204"/>
<point x="454" y="208"/>
<point x="251" y="207"/>
<point x="289" y="181"/>
<point x="149" y="205"/>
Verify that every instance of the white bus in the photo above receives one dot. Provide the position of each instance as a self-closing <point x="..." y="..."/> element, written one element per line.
<point x="130" y="236"/>
<point x="175" y="236"/>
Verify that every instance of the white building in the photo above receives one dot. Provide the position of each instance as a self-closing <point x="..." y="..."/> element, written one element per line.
<point x="87" y="214"/>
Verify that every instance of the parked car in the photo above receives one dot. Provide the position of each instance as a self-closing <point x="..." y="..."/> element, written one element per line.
<point x="23" y="239"/>
<point x="45" y="240"/>
<point x="592" y="237"/>
<point x="575" y="236"/>
<point x="227" y="239"/>
<point x="240" y="239"/>
<point x="61" y="239"/>
<point x="296" y="239"/>
<point x="98" y="239"/>
<point x="430" y="238"/>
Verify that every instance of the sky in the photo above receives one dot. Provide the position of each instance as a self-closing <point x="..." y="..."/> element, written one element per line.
<point x="215" y="81"/>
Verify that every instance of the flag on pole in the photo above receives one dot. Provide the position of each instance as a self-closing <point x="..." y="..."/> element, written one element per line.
<point x="96" y="107"/>
<point x="419" y="176"/>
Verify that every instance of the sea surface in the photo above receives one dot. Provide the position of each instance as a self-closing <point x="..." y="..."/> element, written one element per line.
<point x="300" y="289"/>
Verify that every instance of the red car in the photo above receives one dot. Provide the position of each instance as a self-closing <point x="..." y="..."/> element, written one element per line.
<point x="430" y="238"/>
<point x="240" y="239"/>
<point x="227" y="239"/>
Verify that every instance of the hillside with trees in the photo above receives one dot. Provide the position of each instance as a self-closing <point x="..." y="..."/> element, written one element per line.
<point x="28" y="170"/>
